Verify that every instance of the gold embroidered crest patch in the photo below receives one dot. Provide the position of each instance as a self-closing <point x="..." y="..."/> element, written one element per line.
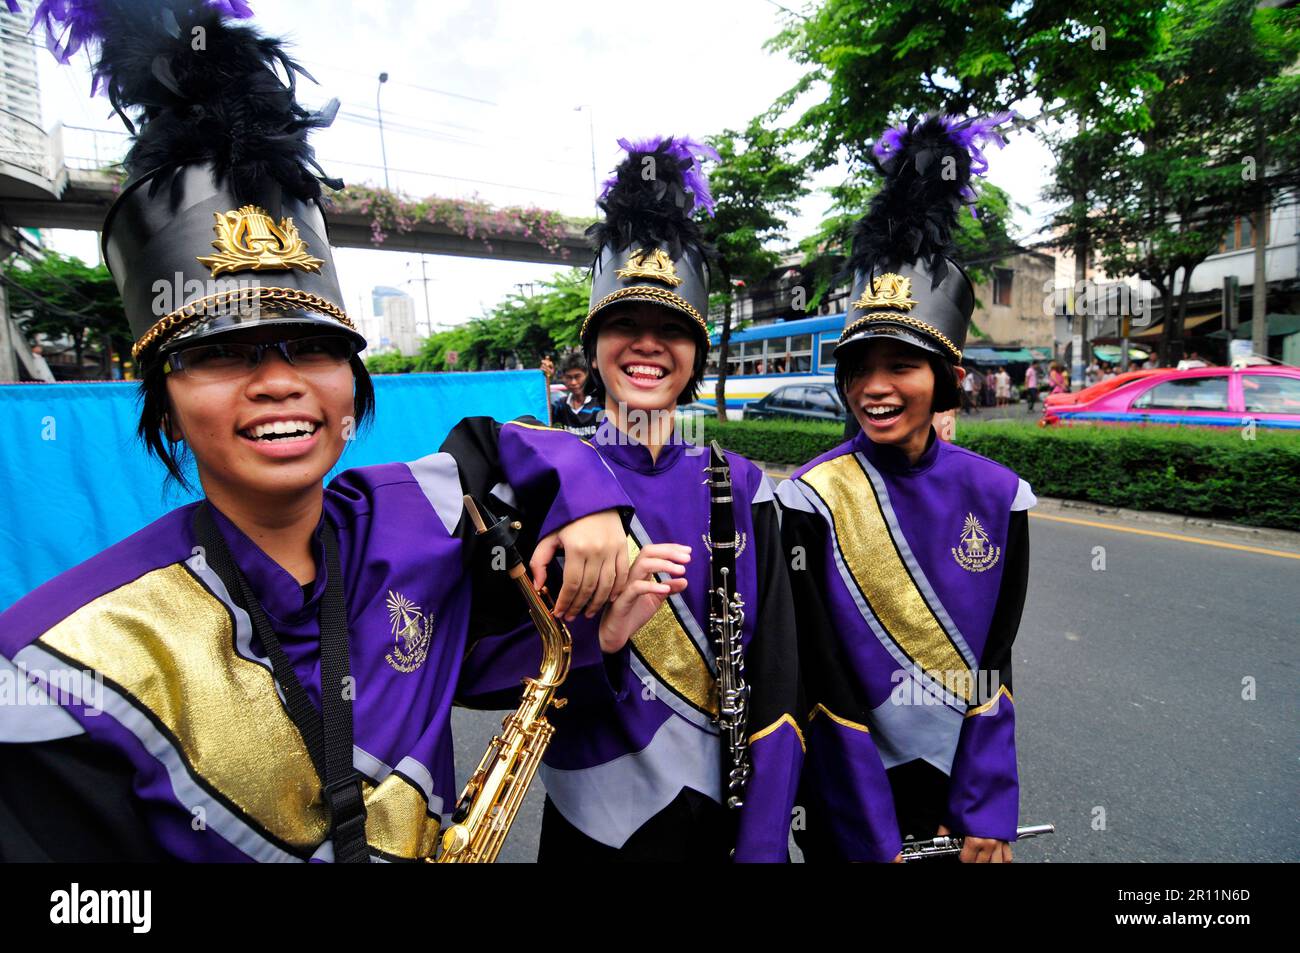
<point x="248" y="239"/>
<point x="412" y="632"/>
<point x="887" y="291"/>
<point x="973" y="551"/>
<point x="655" y="265"/>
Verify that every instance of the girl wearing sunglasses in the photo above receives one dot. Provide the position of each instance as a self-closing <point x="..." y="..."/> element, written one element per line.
<point x="266" y="674"/>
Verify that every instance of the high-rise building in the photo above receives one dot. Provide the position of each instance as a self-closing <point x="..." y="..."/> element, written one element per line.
<point x="22" y="137"/>
<point x="398" y="323"/>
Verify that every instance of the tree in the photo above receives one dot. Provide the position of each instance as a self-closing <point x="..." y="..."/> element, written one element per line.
<point x="873" y="62"/>
<point x="882" y="59"/>
<point x="982" y="239"/>
<point x="1167" y="193"/>
<point x="60" y="296"/>
<point x="755" y="186"/>
<point x="522" y="326"/>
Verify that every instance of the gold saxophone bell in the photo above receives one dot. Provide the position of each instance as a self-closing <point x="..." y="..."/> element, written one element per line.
<point x="495" y="791"/>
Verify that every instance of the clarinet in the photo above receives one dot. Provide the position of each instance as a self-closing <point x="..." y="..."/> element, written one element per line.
<point x="726" y="619"/>
<point x="951" y="844"/>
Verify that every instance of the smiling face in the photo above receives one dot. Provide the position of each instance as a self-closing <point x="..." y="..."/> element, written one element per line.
<point x="645" y="354"/>
<point x="891" y="393"/>
<point x="268" y="433"/>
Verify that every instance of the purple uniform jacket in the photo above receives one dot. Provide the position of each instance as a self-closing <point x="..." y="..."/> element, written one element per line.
<point x="910" y="594"/>
<point x="141" y="656"/>
<point x="639" y="728"/>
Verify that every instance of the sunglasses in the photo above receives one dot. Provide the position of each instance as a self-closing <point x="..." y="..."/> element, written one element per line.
<point x="220" y="361"/>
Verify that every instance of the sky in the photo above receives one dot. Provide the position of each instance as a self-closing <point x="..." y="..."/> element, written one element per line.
<point x="483" y="101"/>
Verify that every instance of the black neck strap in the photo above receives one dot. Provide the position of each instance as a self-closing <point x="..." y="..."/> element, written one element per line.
<point x="327" y="734"/>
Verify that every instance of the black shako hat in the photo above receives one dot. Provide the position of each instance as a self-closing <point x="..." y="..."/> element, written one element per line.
<point x="649" y="247"/>
<point x="906" y="285"/>
<point x="220" y="225"/>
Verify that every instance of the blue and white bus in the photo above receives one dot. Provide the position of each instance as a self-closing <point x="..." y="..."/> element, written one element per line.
<point x="761" y="359"/>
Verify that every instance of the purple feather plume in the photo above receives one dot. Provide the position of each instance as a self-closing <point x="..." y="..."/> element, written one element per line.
<point x="657" y="209"/>
<point x="970" y="134"/>
<point x="73" y="24"/>
<point x="690" y="155"/>
<point x="926" y="166"/>
<point x="224" y="104"/>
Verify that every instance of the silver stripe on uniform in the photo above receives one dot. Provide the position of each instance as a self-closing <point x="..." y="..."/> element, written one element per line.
<point x="439" y="478"/>
<point x="187" y="791"/>
<point x="610" y="801"/>
<point x="38" y="717"/>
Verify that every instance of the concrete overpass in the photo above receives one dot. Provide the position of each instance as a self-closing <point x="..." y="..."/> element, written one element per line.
<point x="40" y="189"/>
<point x="86" y="197"/>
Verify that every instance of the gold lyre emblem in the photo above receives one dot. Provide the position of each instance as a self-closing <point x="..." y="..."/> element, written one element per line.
<point x="249" y="240"/>
<point x="887" y="291"/>
<point x="973" y="551"/>
<point x="655" y="265"/>
<point x="412" y="632"/>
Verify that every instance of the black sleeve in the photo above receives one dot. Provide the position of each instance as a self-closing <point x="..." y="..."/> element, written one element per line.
<point x="826" y="678"/>
<point x="1011" y="601"/>
<point x="70" y="800"/>
<point x="497" y="605"/>
<point x="772" y="661"/>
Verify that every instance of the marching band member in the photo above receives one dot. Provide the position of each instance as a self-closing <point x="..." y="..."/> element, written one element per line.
<point x="634" y="771"/>
<point x="266" y="674"/>
<point x="910" y="556"/>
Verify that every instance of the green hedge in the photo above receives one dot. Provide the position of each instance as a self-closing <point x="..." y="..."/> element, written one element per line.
<point x="1189" y="471"/>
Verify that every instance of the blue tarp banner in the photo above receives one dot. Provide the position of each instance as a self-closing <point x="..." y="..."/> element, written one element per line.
<point x="76" y="479"/>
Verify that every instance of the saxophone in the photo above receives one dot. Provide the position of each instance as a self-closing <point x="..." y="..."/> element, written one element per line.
<point x="495" y="791"/>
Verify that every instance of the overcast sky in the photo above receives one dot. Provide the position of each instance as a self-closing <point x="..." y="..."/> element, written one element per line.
<point x="481" y="101"/>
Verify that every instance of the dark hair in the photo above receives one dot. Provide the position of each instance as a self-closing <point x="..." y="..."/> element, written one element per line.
<point x="947" y="393"/>
<point x="596" y="387"/>
<point x="175" y="456"/>
<point x="574" y="362"/>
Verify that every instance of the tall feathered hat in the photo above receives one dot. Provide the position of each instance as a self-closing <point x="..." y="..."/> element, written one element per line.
<point x="220" y="224"/>
<point x="649" y="246"/>
<point x="906" y="285"/>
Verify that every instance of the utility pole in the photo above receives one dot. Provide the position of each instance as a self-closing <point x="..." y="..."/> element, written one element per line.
<point x="383" y="150"/>
<point x="591" y="129"/>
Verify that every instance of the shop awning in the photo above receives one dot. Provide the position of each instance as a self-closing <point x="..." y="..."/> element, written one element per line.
<point x="1109" y="353"/>
<point x="1151" y="335"/>
<point x="997" y="355"/>
<point x="1278" y="325"/>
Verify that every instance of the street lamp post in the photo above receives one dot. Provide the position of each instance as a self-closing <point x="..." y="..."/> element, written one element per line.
<point x="383" y="151"/>
<point x="591" y="128"/>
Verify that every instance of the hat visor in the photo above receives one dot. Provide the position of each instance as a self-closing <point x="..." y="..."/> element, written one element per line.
<point x="591" y="327"/>
<point x="227" y="324"/>
<point x="880" y="330"/>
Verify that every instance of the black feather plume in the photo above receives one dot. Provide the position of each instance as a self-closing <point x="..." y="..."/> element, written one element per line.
<point x="194" y="87"/>
<point x="926" y="166"/>
<point x="651" y="195"/>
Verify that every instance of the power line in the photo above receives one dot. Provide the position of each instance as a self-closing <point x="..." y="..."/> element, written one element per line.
<point x="397" y="82"/>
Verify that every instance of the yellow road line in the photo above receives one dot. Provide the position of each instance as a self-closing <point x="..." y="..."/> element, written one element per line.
<point x="1160" y="535"/>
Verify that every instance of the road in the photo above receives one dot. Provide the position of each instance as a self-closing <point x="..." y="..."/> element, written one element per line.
<point x="1156" y="698"/>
